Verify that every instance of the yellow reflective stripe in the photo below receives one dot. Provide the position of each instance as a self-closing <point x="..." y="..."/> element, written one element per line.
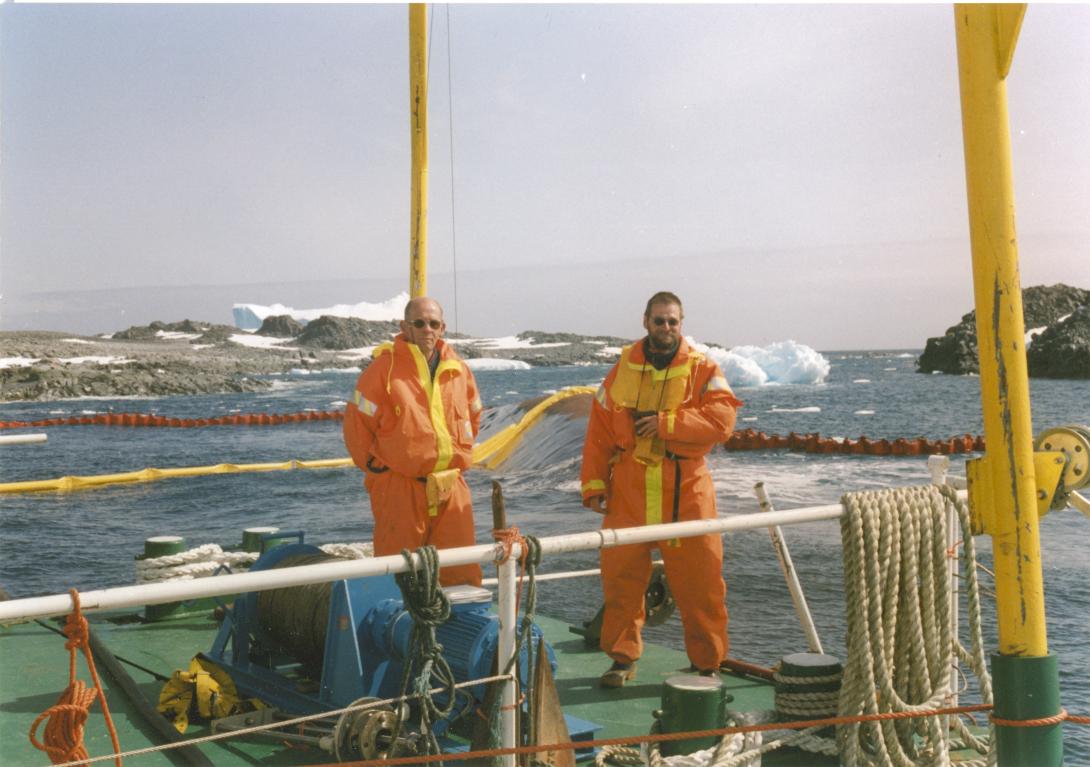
<point x="444" y="445"/>
<point x="717" y="383"/>
<point x="600" y="395"/>
<point x="652" y="488"/>
<point x="594" y="484"/>
<point x="671" y="417"/>
<point x="666" y="373"/>
<point x="476" y="405"/>
<point x="366" y="406"/>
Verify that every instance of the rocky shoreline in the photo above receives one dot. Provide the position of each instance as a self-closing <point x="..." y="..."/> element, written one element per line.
<point x="190" y="357"/>
<point x="1057" y="319"/>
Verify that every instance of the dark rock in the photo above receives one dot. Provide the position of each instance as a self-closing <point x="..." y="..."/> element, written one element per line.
<point x="1063" y="349"/>
<point x="540" y="337"/>
<point x="328" y="332"/>
<point x="281" y="326"/>
<point x="956" y="352"/>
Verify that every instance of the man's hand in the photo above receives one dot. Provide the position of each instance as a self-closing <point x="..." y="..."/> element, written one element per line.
<point x="648" y="426"/>
<point x="597" y="503"/>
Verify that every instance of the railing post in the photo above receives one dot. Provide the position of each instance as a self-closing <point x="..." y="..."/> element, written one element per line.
<point x="508" y="614"/>
<point x="789" y="574"/>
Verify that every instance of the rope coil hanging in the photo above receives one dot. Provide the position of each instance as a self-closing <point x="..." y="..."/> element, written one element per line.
<point x="63" y="736"/>
<point x="429" y="607"/>
<point x="899" y="639"/>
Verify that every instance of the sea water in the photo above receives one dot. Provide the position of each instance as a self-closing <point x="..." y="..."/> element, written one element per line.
<point x="87" y="539"/>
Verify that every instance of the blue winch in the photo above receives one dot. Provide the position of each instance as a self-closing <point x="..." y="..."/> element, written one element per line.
<point x="308" y="649"/>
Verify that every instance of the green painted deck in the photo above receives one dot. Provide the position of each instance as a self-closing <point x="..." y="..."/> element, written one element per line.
<point x="34" y="671"/>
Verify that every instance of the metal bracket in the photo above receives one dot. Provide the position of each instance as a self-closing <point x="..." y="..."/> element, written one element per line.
<point x="1048" y="469"/>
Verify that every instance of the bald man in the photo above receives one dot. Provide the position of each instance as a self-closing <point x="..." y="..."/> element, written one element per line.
<point x="410" y="427"/>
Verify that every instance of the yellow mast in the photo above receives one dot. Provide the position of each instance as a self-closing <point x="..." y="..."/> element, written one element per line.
<point x="418" y="105"/>
<point x="1003" y="485"/>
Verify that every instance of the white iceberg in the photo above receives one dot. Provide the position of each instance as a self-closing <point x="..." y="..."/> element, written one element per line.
<point x="250" y="316"/>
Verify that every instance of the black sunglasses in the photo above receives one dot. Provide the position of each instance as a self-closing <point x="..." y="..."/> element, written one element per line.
<point x="433" y="324"/>
<point x="671" y="321"/>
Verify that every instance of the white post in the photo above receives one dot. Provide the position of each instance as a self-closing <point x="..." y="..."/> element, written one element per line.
<point x="508" y="614"/>
<point x="22" y="439"/>
<point x="790" y="575"/>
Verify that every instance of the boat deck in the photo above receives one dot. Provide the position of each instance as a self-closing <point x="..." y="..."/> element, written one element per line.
<point x="34" y="671"/>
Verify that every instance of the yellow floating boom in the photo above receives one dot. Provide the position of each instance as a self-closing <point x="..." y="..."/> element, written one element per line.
<point x="488" y="454"/>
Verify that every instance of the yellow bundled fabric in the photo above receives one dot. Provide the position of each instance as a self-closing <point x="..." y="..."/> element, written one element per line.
<point x="203" y="692"/>
<point x="494" y="450"/>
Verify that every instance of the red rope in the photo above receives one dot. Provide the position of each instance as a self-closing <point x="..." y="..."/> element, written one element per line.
<point x="67" y="717"/>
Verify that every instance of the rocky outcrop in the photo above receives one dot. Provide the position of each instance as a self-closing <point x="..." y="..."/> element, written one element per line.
<point x="280" y="326"/>
<point x="328" y="332"/>
<point x="49" y="380"/>
<point x="1063" y="349"/>
<point x="1043" y="307"/>
<point x="153" y="330"/>
<point x="144" y="361"/>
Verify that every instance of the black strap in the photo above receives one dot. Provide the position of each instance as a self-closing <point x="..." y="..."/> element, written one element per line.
<point x="677" y="484"/>
<point x="376" y="469"/>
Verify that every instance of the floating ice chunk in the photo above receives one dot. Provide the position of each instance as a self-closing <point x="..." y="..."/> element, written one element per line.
<point x="810" y="409"/>
<point x="489" y="363"/>
<point x="783" y="362"/>
<point x="861" y="380"/>
<point x="863" y="412"/>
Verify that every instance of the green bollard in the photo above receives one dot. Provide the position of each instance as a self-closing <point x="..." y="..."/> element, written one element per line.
<point x="251" y="537"/>
<point x="689" y="703"/>
<point x="162" y="546"/>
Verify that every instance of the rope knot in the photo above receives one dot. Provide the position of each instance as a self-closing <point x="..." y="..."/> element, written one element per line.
<point x="63" y="737"/>
<point x="507" y="538"/>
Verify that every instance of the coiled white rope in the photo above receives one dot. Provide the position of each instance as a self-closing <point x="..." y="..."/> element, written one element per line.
<point x="207" y="559"/>
<point x="899" y="641"/>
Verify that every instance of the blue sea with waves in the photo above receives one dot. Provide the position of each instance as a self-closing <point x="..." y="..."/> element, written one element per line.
<point x="52" y="541"/>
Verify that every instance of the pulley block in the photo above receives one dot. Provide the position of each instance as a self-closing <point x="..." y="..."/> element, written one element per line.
<point x="1073" y="441"/>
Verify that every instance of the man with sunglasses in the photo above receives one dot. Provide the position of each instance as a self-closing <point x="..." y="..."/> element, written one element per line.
<point x="410" y="427"/>
<point x="658" y="412"/>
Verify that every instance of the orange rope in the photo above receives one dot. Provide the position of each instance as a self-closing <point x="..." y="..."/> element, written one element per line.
<point x="507" y="538"/>
<point x="64" y="730"/>
<point x="664" y="736"/>
<point x="1044" y="721"/>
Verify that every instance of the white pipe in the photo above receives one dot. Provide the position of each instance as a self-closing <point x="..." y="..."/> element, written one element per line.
<point x="507" y="646"/>
<point x="1080" y="502"/>
<point x="802" y="610"/>
<point x="264" y="580"/>
<point x="22" y="439"/>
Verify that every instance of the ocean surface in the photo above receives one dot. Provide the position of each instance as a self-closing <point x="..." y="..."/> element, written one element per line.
<point x="52" y="541"/>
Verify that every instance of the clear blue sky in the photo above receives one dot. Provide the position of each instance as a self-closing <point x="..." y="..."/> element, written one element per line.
<point x="790" y="171"/>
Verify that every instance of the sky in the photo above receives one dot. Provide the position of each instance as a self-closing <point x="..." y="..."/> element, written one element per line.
<point x="792" y="172"/>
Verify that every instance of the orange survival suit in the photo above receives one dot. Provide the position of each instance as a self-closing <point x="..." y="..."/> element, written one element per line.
<point x="412" y="434"/>
<point x="651" y="480"/>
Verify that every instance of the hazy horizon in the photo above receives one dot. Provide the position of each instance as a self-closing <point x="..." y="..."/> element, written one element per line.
<point x="791" y="171"/>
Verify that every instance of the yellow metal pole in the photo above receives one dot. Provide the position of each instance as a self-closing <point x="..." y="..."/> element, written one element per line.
<point x="1003" y="486"/>
<point x="418" y="105"/>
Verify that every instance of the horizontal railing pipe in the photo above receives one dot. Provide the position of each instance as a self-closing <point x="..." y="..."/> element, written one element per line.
<point x="264" y="580"/>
